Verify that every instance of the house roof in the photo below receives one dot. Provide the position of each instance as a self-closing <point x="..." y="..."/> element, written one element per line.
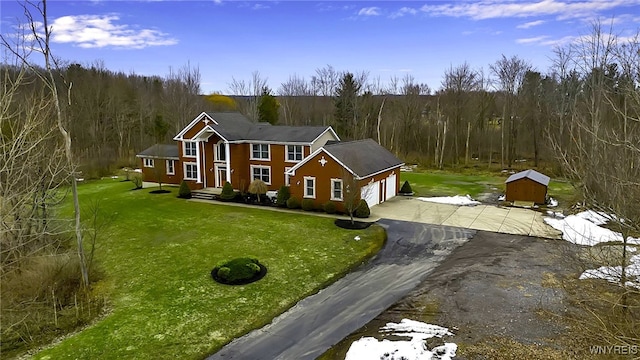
<point x="363" y="157"/>
<point x="160" y="151"/>
<point x="530" y="174"/>
<point x="235" y="127"/>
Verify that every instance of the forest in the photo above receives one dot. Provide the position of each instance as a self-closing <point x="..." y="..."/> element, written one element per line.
<point x="579" y="119"/>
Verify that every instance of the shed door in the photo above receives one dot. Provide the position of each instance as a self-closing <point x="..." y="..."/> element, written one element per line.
<point x="371" y="193"/>
<point x="391" y="186"/>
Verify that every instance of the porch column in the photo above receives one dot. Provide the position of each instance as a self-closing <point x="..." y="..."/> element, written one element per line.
<point x="198" y="162"/>
<point x="228" y="160"/>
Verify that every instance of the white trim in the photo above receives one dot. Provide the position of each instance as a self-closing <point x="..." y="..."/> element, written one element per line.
<point x="333" y="181"/>
<point x="173" y="167"/>
<point x="198" y="160"/>
<point x="184" y="148"/>
<point x="304" y="187"/>
<point x="157" y="157"/>
<point x="216" y="151"/>
<point x="228" y="157"/>
<point x="268" y="158"/>
<point x="252" y="167"/>
<point x="216" y="169"/>
<point x="205" y="129"/>
<point x="322" y="149"/>
<point x="198" y="118"/>
<point x="184" y="168"/>
<point x="286" y="153"/>
<point x="148" y="162"/>
<point x="287" y="177"/>
<point x="329" y="128"/>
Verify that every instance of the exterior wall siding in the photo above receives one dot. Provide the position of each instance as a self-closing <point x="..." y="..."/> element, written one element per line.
<point x="526" y="190"/>
<point x="159" y="167"/>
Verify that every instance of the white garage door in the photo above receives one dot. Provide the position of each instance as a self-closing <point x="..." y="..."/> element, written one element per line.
<point x="371" y="193"/>
<point x="391" y="186"/>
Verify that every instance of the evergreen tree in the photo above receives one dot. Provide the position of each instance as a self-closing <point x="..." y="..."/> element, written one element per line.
<point x="268" y="107"/>
<point x="346" y="105"/>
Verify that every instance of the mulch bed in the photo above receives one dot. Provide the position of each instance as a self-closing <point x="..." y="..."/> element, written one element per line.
<point x="258" y="276"/>
<point x="357" y="225"/>
<point x="159" y="191"/>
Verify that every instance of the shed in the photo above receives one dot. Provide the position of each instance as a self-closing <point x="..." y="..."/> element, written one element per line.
<point x="528" y="185"/>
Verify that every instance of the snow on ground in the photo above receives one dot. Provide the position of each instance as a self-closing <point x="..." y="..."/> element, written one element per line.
<point x="583" y="229"/>
<point x="453" y="200"/>
<point x="414" y="349"/>
<point x="614" y="273"/>
<point x="552" y="202"/>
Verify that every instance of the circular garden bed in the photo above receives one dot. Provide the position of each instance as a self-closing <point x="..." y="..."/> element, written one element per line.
<point x="239" y="271"/>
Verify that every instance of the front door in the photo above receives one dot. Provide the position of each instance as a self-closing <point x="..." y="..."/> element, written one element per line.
<point x="221" y="175"/>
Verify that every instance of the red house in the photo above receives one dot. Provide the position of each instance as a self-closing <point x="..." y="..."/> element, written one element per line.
<point x="219" y="147"/>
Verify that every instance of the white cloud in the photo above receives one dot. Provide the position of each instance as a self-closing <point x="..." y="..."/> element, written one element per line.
<point x="530" y="24"/>
<point x="491" y="9"/>
<point x="369" y="11"/>
<point x="97" y="31"/>
<point x="532" y="40"/>
<point x="402" y="12"/>
<point x="260" y="7"/>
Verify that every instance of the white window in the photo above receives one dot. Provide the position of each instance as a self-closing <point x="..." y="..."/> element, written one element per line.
<point x="294" y="153"/>
<point x="260" y="152"/>
<point x="171" y="170"/>
<point x="221" y="151"/>
<point x="309" y="187"/>
<point x="287" y="178"/>
<point x="189" y="149"/>
<point x="336" y="189"/>
<point x="261" y="173"/>
<point x="190" y="171"/>
<point x="148" y="162"/>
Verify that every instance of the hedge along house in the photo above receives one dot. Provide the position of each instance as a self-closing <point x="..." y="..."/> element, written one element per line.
<point x="324" y="175"/>
<point x="529" y="185"/>
<point x="215" y="148"/>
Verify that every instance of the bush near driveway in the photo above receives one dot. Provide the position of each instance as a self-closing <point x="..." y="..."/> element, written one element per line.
<point x="157" y="259"/>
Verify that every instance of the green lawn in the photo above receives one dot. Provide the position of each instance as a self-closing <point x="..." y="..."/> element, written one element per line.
<point x="445" y="183"/>
<point x="157" y="256"/>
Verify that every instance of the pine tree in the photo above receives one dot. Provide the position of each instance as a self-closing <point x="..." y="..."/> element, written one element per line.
<point x="346" y="105"/>
<point x="268" y="107"/>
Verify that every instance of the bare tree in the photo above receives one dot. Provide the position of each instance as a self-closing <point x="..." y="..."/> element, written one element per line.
<point x="249" y="93"/>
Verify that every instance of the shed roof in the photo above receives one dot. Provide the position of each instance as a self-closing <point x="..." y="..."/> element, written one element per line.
<point x="160" y="151"/>
<point x="530" y="174"/>
<point x="364" y="157"/>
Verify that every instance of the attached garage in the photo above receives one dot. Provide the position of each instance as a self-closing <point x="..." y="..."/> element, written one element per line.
<point x="529" y="185"/>
<point x="375" y="169"/>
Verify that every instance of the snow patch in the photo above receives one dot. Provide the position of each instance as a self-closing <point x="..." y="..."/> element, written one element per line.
<point x="552" y="202"/>
<point x="502" y="198"/>
<point x="453" y="200"/>
<point x="414" y="349"/>
<point x="613" y="274"/>
<point x="356" y="238"/>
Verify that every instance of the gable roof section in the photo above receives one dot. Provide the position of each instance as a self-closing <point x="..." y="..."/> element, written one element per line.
<point x="530" y="174"/>
<point x="363" y="158"/>
<point x="235" y="127"/>
<point x="160" y="151"/>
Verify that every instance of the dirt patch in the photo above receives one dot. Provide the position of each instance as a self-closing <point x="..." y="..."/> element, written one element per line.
<point x="500" y="292"/>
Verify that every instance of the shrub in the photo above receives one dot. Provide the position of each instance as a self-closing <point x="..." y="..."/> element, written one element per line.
<point x="283" y="195"/>
<point x="308" y="205"/>
<point x="330" y="207"/>
<point x="293" y="203"/>
<point x="137" y="180"/>
<point x="184" y="192"/>
<point x="406" y="188"/>
<point x="227" y="193"/>
<point x="362" y="211"/>
<point x="258" y="187"/>
<point x="238" y="270"/>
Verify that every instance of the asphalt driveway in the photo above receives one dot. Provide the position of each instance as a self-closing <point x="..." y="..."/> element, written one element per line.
<point x="507" y="220"/>
<point x="319" y="321"/>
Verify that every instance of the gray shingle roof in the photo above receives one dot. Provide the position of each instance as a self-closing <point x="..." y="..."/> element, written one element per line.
<point x="364" y="157"/>
<point x="530" y="174"/>
<point x="234" y="126"/>
<point x="163" y="151"/>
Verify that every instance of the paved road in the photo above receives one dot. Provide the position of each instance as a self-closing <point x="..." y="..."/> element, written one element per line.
<point x="507" y="220"/>
<point x="318" y="322"/>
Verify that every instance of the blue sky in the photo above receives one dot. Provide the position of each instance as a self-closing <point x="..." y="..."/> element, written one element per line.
<point x="231" y="39"/>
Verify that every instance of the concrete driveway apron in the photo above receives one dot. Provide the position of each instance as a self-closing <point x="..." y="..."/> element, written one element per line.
<point x="506" y="220"/>
<point x="319" y="321"/>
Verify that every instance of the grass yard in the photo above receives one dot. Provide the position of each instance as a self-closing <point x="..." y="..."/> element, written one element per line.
<point x="445" y="183"/>
<point x="157" y="256"/>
